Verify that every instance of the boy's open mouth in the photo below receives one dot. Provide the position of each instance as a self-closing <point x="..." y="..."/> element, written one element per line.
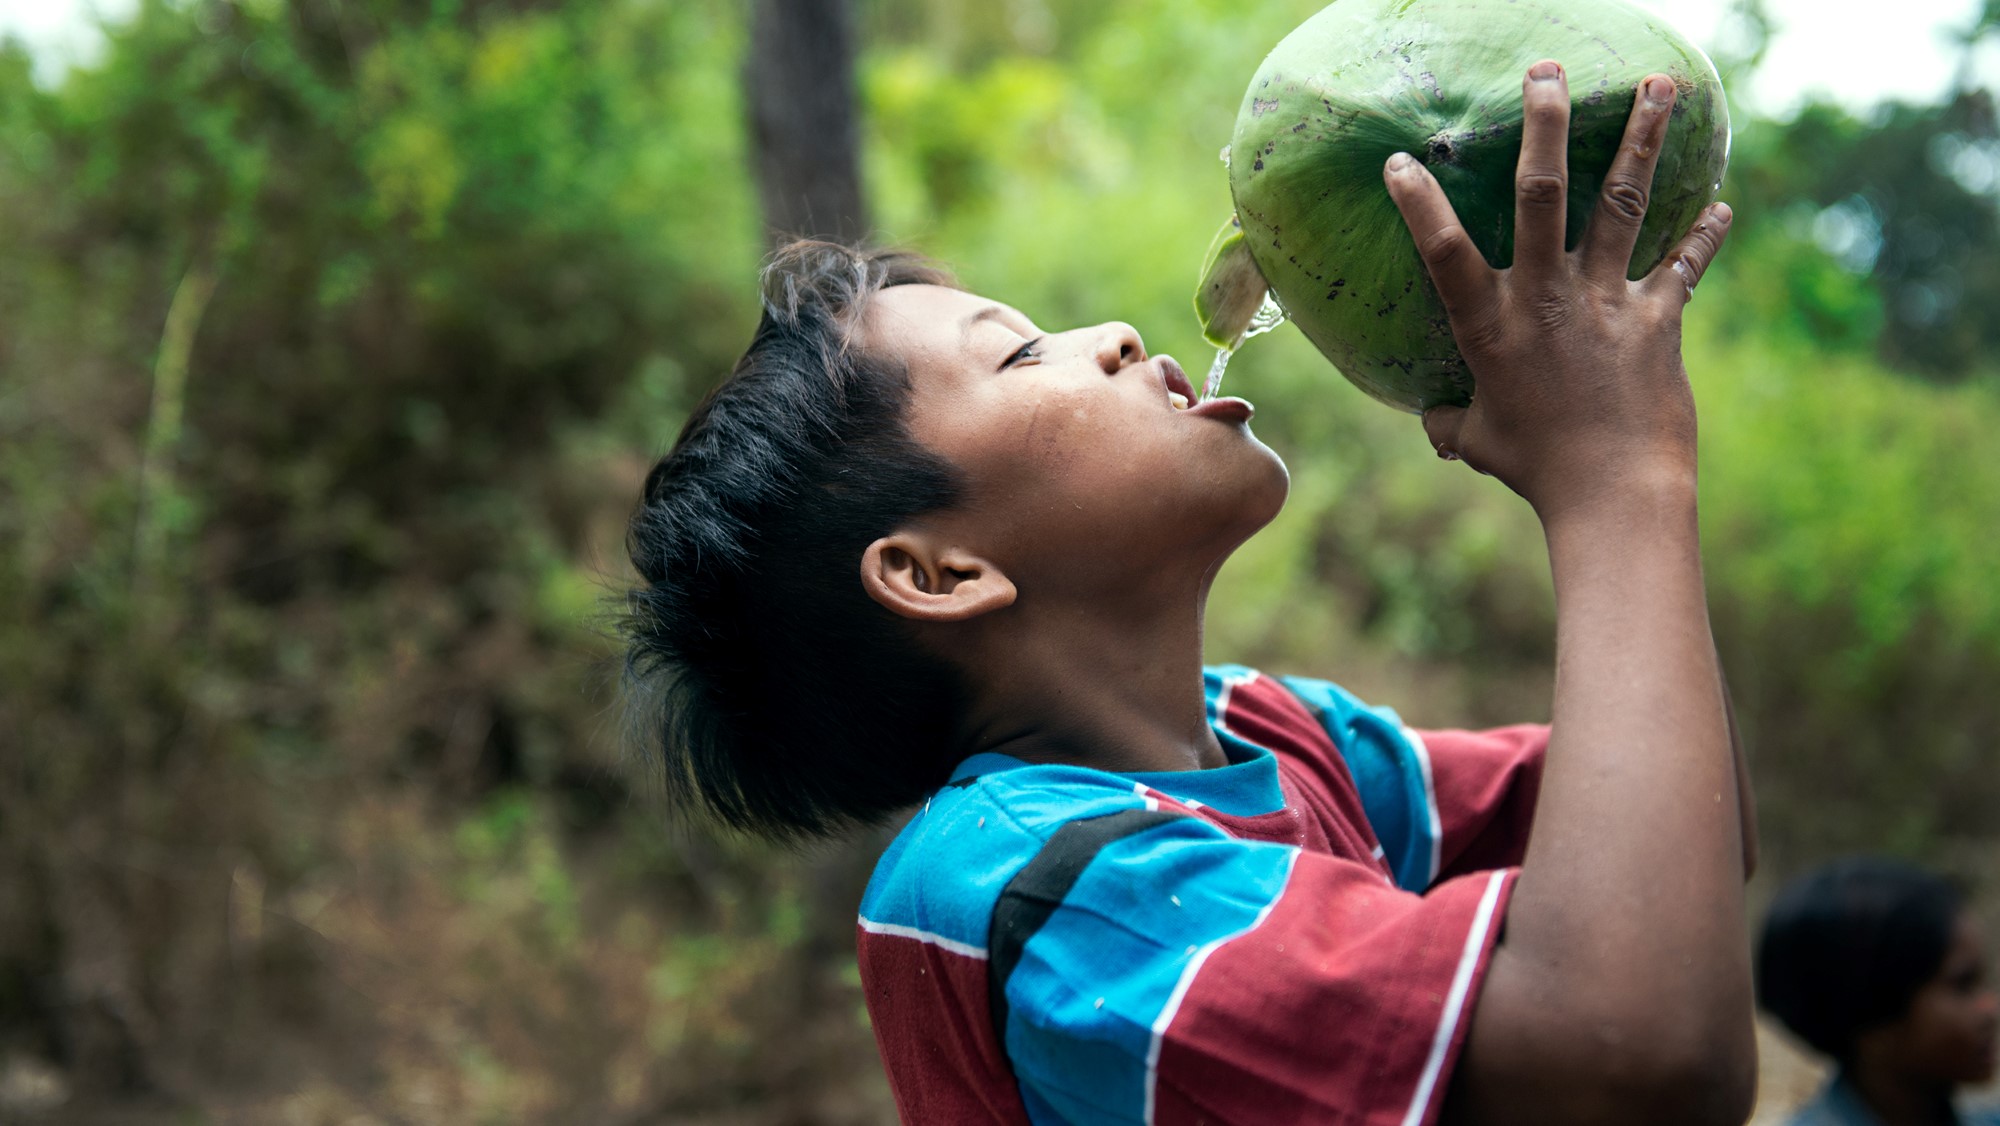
<point x="1182" y="396"/>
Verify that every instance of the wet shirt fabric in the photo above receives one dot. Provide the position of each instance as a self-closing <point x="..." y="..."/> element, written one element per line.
<point x="1299" y="935"/>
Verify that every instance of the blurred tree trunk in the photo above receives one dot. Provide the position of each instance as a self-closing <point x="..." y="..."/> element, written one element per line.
<point x="805" y="139"/>
<point x="804" y="121"/>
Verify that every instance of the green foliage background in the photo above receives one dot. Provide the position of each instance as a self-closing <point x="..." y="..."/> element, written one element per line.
<point x="336" y="338"/>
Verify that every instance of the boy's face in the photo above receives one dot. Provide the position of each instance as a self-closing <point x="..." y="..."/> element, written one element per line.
<point x="1083" y="464"/>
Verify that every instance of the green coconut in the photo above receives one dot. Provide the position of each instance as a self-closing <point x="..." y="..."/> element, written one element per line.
<point x="1440" y="80"/>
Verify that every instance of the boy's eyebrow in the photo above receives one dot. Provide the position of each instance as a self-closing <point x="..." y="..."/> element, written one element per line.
<point x="990" y="312"/>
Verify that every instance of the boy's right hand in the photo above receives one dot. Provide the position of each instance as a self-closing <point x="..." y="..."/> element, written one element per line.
<point x="1580" y="388"/>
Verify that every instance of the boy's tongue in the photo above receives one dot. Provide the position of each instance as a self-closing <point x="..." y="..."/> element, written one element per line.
<point x="1177" y="380"/>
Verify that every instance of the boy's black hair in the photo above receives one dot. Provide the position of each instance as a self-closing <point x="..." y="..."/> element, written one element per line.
<point x="1846" y="947"/>
<point x="780" y="698"/>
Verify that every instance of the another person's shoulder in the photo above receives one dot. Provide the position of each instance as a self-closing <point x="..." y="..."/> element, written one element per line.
<point x="1833" y="1106"/>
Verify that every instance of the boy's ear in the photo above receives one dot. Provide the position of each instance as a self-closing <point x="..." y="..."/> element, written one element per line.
<point x="919" y="578"/>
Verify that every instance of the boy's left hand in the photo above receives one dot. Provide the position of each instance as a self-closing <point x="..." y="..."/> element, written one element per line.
<point x="1580" y="386"/>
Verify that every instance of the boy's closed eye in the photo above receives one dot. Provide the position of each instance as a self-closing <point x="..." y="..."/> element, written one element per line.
<point x="1026" y="353"/>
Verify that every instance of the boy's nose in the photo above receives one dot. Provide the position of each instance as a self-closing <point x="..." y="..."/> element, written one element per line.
<point x="1117" y="346"/>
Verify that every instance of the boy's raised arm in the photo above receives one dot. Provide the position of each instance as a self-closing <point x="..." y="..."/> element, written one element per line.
<point x="1621" y="990"/>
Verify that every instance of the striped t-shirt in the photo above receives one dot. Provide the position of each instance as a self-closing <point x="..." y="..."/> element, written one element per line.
<point x="1296" y="936"/>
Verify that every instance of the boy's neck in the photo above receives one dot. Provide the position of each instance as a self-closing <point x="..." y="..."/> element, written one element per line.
<point x="1112" y="687"/>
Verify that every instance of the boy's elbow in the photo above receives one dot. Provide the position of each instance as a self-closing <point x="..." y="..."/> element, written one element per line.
<point x="1707" y="1079"/>
<point x="1571" y="1049"/>
<point x="1681" y="1076"/>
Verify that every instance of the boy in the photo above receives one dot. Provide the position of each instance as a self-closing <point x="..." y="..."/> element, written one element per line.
<point x="1141" y="892"/>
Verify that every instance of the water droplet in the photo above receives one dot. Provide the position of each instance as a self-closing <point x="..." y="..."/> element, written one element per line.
<point x="1224" y="155"/>
<point x="1098" y="1004"/>
<point x="1176" y="899"/>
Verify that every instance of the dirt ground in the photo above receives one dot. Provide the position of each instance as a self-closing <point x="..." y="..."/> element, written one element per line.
<point x="32" y="1093"/>
<point x="1786" y="1077"/>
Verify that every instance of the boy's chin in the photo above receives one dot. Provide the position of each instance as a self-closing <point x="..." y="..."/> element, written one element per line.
<point x="1260" y="487"/>
<point x="1244" y="501"/>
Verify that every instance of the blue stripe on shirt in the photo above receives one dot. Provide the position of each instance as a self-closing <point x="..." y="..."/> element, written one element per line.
<point x="1092" y="983"/>
<point x="1389" y="773"/>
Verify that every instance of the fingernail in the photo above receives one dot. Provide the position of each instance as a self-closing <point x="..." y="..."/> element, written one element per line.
<point x="1723" y="214"/>
<point x="1399" y="162"/>
<point x="1446" y="455"/>
<point x="1544" y="71"/>
<point x="1659" y="91"/>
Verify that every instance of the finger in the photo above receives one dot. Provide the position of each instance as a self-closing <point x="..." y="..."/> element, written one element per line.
<point x="1682" y="269"/>
<point x="1541" y="180"/>
<point x="1461" y="274"/>
<point x="1442" y="426"/>
<point x="1628" y="186"/>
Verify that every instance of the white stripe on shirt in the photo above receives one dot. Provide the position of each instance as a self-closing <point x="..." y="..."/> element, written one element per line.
<point x="894" y="930"/>
<point x="1423" y="754"/>
<point x="1229" y="684"/>
<point x="1194" y="965"/>
<point x="1454" y="1002"/>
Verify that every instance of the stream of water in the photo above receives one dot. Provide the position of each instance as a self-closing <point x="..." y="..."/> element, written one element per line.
<point x="1269" y="315"/>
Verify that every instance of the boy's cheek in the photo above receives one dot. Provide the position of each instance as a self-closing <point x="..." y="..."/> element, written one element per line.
<point x="1041" y="443"/>
<point x="1050" y="467"/>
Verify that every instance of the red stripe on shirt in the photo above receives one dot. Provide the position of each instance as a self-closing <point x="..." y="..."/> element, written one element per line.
<point x="954" y="1072"/>
<point x="1333" y="1009"/>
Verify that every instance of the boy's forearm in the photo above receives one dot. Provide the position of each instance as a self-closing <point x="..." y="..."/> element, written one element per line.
<point x="1641" y="735"/>
<point x="1630" y="895"/>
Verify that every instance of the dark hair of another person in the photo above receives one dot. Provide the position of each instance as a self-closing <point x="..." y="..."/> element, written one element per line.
<point x="778" y="697"/>
<point x="1846" y="947"/>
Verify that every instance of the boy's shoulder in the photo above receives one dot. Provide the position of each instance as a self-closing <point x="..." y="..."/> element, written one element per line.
<point x="945" y="870"/>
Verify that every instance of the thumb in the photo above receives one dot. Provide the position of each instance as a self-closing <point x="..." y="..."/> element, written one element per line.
<point x="1442" y="426"/>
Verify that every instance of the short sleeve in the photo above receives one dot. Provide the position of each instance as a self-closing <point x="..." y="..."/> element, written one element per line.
<point x="1442" y="803"/>
<point x="1485" y="785"/>
<point x="1148" y="967"/>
